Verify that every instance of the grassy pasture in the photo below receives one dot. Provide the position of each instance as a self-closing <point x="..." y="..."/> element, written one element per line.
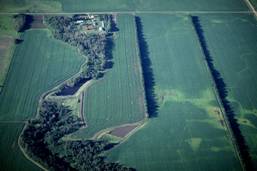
<point x="152" y="5"/>
<point x="118" y="98"/>
<point x="30" y="6"/>
<point x="232" y="42"/>
<point x="189" y="132"/>
<point x="39" y="63"/>
<point x="7" y="26"/>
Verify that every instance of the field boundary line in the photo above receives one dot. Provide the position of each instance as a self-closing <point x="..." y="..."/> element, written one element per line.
<point x="219" y="101"/>
<point x="250" y="5"/>
<point x="13" y="122"/>
<point x="142" y="12"/>
<point x="26" y="155"/>
<point x="142" y="79"/>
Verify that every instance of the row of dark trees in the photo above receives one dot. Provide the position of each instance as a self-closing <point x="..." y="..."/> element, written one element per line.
<point x="223" y="93"/>
<point x="149" y="81"/>
<point x="42" y="140"/>
<point x="22" y="22"/>
<point x="43" y="137"/>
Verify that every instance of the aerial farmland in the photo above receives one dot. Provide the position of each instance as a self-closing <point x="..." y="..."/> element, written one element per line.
<point x="128" y="85"/>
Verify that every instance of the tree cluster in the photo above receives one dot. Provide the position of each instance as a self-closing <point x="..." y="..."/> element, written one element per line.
<point x="92" y="45"/>
<point x="23" y="22"/>
<point x="43" y="141"/>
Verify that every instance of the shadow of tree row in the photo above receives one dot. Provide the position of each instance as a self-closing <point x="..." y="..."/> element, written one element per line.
<point x="149" y="81"/>
<point x="223" y="93"/>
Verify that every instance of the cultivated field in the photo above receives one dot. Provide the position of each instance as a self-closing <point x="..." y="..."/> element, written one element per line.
<point x="39" y="63"/>
<point x="30" y="6"/>
<point x="151" y="5"/>
<point x="6" y="47"/>
<point x="118" y="98"/>
<point x="120" y="5"/>
<point x="189" y="132"/>
<point x="235" y="57"/>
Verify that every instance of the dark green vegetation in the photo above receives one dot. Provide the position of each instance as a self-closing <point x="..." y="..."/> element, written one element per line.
<point x="96" y="46"/>
<point x="254" y="3"/>
<point x="11" y="155"/>
<point x="235" y="57"/>
<point x="147" y="70"/>
<point x="118" y="98"/>
<point x="189" y="132"/>
<point x="39" y="63"/>
<point x="223" y="95"/>
<point x="42" y="140"/>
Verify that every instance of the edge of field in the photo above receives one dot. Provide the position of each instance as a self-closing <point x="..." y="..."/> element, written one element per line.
<point x="82" y="89"/>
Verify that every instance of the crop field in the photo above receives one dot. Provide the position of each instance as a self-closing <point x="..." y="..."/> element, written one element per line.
<point x="30" y="6"/>
<point x="120" y="5"/>
<point x="235" y="56"/>
<point x="119" y="97"/>
<point x="11" y="155"/>
<point x="6" y="47"/>
<point x="39" y="63"/>
<point x="189" y="132"/>
<point x="152" y="5"/>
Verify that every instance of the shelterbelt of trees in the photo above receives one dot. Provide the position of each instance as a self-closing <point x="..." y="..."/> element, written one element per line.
<point x="43" y="138"/>
<point x="94" y="46"/>
<point x="43" y="141"/>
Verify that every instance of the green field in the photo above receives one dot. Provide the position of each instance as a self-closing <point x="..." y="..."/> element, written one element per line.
<point x="119" y="97"/>
<point x="120" y="5"/>
<point x="188" y="133"/>
<point x="30" y="6"/>
<point x="235" y="56"/>
<point x="6" y="49"/>
<point x="11" y="155"/>
<point x="7" y="35"/>
<point x="39" y="63"/>
<point x="152" y="5"/>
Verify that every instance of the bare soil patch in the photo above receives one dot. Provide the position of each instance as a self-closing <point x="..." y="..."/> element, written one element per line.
<point x="38" y="22"/>
<point x="123" y="131"/>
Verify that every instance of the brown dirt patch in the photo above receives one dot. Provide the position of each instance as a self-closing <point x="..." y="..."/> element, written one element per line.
<point x="38" y="22"/>
<point x="122" y="131"/>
